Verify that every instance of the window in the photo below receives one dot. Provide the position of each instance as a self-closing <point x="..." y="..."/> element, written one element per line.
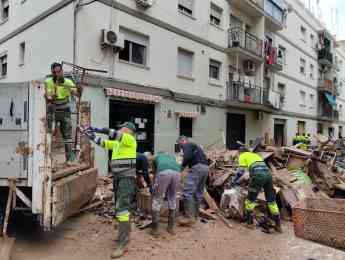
<point x="301" y="127"/>
<point x="3" y="65"/>
<point x="214" y="69"/>
<point x="5" y="10"/>
<point x="340" y="110"/>
<point x="185" y="63"/>
<point x="186" y="6"/>
<point x="135" y="50"/>
<point x="312" y="41"/>
<point x="319" y="128"/>
<point x="282" y="55"/>
<point x="302" y="66"/>
<point x="302" y="98"/>
<point x="303" y="33"/>
<point x="21" y="54"/>
<point x="235" y="22"/>
<point x="281" y="90"/>
<point x="274" y="10"/>
<point x="311" y="71"/>
<point x="186" y="126"/>
<point x="312" y="100"/>
<point x="216" y="15"/>
<point x="340" y="132"/>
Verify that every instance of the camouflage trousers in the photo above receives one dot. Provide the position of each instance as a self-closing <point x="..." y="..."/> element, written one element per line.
<point x="62" y="118"/>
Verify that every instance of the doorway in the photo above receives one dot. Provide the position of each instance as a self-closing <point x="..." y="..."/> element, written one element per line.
<point x="140" y="114"/>
<point x="236" y="130"/>
<point x="280" y="132"/>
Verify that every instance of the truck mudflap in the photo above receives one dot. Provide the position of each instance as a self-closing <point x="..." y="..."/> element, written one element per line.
<point x="71" y="193"/>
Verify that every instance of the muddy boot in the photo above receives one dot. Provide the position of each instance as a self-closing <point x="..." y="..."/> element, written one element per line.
<point x="196" y="211"/>
<point x="277" y="227"/>
<point x="122" y="241"/>
<point x="155" y="224"/>
<point x="249" y="220"/>
<point x="171" y="222"/>
<point x="189" y="218"/>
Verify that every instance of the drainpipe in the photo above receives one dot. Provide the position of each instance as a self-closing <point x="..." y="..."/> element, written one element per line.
<point x="75" y="23"/>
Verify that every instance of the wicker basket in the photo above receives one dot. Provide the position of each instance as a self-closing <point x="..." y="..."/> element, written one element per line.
<point x="321" y="220"/>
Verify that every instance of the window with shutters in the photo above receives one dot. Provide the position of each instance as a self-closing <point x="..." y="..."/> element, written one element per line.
<point x="135" y="50"/>
<point x="185" y="63"/>
<point x="216" y="15"/>
<point x="186" y="7"/>
<point x="21" y="54"/>
<point x="302" y="69"/>
<point x="3" y="65"/>
<point x="5" y="10"/>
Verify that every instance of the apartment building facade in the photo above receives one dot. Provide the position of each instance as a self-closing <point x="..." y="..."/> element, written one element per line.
<point x="216" y="70"/>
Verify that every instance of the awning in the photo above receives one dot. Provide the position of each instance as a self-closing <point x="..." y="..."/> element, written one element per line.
<point x="187" y="114"/>
<point x="131" y="95"/>
<point x="331" y="99"/>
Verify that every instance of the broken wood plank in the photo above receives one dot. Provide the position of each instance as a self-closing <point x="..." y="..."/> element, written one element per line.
<point x="68" y="171"/>
<point x="6" y="246"/>
<point x="210" y="202"/>
<point x="91" y="206"/>
<point x="206" y="214"/>
<point x="224" y="220"/>
<point x="23" y="198"/>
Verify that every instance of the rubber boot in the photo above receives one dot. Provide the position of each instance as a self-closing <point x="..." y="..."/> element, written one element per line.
<point x="189" y="218"/>
<point x="123" y="239"/>
<point x="249" y="220"/>
<point x="196" y="210"/>
<point x="171" y="222"/>
<point x="277" y="227"/>
<point x="155" y="223"/>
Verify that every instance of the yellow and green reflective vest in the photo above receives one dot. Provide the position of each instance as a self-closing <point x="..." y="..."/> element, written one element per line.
<point x="247" y="159"/>
<point x="61" y="91"/>
<point x="125" y="148"/>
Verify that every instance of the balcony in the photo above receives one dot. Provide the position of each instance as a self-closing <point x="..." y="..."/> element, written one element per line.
<point x="275" y="16"/>
<point x="247" y="96"/>
<point x="325" y="57"/>
<point x="254" y="8"/>
<point x="245" y="44"/>
<point x="327" y="107"/>
<point x="328" y="116"/>
<point x="271" y="58"/>
<point x="326" y="85"/>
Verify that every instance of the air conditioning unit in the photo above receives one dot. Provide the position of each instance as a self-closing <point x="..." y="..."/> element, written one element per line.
<point x="145" y="3"/>
<point x="112" y="39"/>
<point x="249" y="67"/>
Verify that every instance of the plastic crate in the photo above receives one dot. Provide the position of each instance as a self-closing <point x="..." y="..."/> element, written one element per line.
<point x="321" y="220"/>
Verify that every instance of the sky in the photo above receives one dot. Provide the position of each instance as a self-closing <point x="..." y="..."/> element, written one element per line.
<point x="328" y="9"/>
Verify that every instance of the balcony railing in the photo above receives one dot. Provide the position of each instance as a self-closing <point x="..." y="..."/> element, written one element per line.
<point x="325" y="57"/>
<point x="330" y="115"/>
<point x="245" y="92"/>
<point x="245" y="40"/>
<point x="271" y="56"/>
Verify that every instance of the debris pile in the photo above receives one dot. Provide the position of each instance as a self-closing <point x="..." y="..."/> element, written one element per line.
<point x="297" y="174"/>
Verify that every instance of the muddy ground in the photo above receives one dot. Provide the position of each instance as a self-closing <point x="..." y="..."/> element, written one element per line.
<point x="88" y="237"/>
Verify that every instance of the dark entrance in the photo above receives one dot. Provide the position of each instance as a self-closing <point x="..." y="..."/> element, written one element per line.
<point x="236" y="130"/>
<point x="279" y="132"/>
<point x="140" y="114"/>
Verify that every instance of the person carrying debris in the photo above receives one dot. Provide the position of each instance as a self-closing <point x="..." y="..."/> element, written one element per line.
<point x="142" y="169"/>
<point x="123" y="167"/>
<point x="259" y="178"/>
<point x="194" y="186"/>
<point x="58" y="93"/>
<point x="167" y="179"/>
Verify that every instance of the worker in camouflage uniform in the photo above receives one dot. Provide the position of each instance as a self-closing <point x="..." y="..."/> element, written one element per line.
<point x="259" y="178"/>
<point x="123" y="167"/>
<point x="58" y="94"/>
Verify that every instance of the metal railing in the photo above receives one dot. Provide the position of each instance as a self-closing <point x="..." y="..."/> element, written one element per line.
<point x="245" y="92"/>
<point x="325" y="54"/>
<point x="271" y="55"/>
<point x="328" y="114"/>
<point x="240" y="38"/>
<point x="326" y="84"/>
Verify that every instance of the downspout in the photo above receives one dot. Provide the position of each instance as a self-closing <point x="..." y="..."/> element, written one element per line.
<point x="75" y="25"/>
